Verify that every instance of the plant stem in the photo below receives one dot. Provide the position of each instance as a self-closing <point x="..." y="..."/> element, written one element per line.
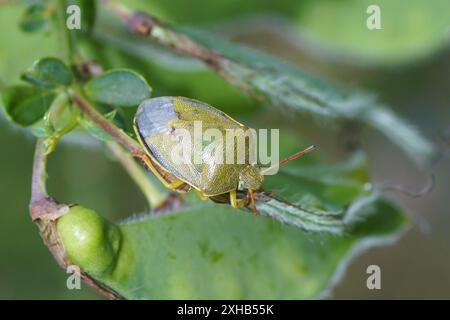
<point x="143" y="24"/>
<point x="117" y="134"/>
<point x="154" y="197"/>
<point x="42" y="206"/>
<point x="38" y="189"/>
<point x="66" y="36"/>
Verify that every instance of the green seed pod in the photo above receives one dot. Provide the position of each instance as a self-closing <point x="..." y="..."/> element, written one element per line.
<point x="91" y="242"/>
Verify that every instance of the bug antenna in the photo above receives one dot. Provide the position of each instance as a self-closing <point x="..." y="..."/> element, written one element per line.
<point x="292" y="157"/>
<point x="425" y="190"/>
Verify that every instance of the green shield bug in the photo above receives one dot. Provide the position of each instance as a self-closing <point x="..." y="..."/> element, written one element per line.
<point x="159" y="123"/>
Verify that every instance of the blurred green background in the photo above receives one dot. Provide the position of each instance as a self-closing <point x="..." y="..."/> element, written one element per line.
<point x="406" y="63"/>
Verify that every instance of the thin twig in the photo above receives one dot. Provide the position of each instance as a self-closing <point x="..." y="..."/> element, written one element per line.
<point x="65" y="34"/>
<point x="154" y="197"/>
<point x="42" y="206"/>
<point x="143" y="24"/>
<point x="118" y="134"/>
<point x="38" y="189"/>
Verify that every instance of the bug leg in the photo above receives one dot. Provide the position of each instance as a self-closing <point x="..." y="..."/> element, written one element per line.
<point x="171" y="185"/>
<point x="236" y="203"/>
<point x="252" y="199"/>
<point x="202" y="196"/>
<point x="175" y="184"/>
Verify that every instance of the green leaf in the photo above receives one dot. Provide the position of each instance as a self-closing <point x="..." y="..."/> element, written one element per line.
<point x="215" y="252"/>
<point x="48" y="73"/>
<point x="25" y="105"/>
<point x="93" y="129"/>
<point x="39" y="131"/>
<point x="35" y="18"/>
<point x="212" y="251"/>
<point x="118" y="87"/>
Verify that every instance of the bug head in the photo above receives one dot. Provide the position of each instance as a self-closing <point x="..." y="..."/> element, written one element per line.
<point x="250" y="178"/>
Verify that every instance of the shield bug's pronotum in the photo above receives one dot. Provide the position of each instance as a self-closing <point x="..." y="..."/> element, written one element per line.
<point x="161" y="125"/>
